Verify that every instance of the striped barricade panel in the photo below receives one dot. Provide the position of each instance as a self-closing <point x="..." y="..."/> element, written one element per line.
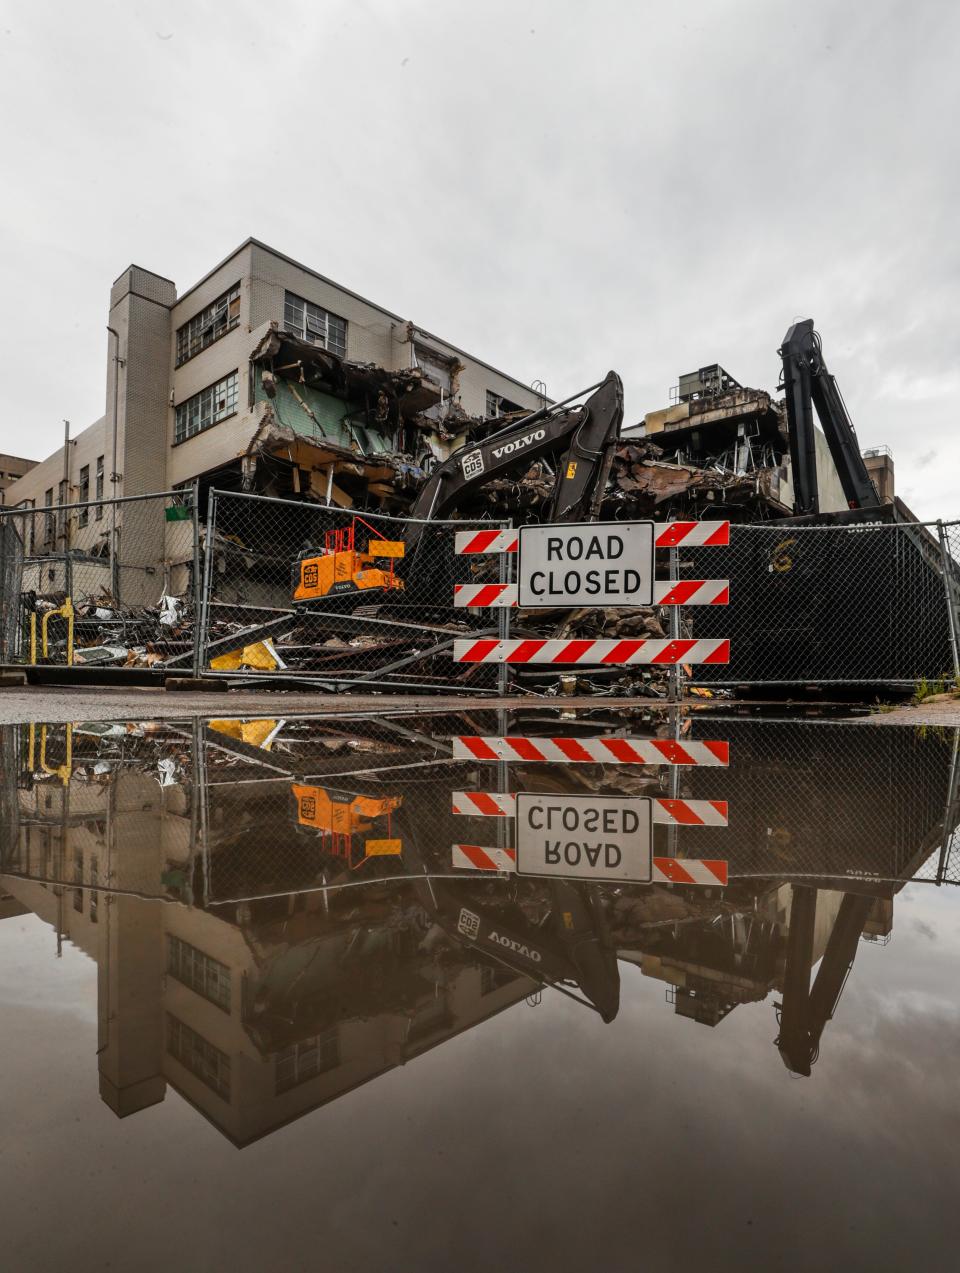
<point x="474" y="857"/>
<point x="592" y="751"/>
<point x="666" y="535"/>
<point x="703" y="871"/>
<point x="687" y="813"/>
<point x="592" y="652"/>
<point x="684" y="592"/>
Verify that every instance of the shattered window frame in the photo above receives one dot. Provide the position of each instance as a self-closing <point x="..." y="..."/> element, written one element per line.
<point x="329" y="329"/>
<point x="494" y="402"/>
<point x="98" y="515"/>
<point x="219" y="317"/>
<point x="208" y="407"/>
<point x="300" y="1062"/>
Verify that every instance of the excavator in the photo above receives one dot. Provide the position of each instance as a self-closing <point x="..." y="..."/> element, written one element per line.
<point x="807" y="384"/>
<point x="580" y="440"/>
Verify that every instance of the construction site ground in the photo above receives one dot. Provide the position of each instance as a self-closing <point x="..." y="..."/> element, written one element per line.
<point x="59" y="703"/>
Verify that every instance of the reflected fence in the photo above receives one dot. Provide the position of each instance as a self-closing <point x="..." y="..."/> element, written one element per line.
<point x="222" y="812"/>
<point x="251" y="589"/>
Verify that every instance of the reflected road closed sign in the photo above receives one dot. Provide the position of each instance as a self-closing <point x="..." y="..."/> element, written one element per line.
<point x="590" y="564"/>
<point x="585" y="837"/>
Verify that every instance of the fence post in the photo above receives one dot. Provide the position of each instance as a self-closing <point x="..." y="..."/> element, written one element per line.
<point x="197" y="577"/>
<point x="200" y="658"/>
<point x="952" y="600"/>
<point x="675" y="674"/>
<point x="503" y="614"/>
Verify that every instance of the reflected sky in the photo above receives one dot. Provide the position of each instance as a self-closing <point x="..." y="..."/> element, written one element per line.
<point x="525" y="1135"/>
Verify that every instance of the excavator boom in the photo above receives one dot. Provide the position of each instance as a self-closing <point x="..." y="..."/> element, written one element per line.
<point x="807" y="384"/>
<point x="582" y="438"/>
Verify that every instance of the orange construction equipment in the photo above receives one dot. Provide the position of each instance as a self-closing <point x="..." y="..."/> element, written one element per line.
<point x="338" y="820"/>
<point x="341" y="568"/>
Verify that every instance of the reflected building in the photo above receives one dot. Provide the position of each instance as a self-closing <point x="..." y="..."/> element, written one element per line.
<point x="261" y="958"/>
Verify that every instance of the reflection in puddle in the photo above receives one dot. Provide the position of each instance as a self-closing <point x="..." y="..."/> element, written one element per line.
<point x="281" y="910"/>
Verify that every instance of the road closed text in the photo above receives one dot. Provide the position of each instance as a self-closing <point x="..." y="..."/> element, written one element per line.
<point x="593" y="564"/>
<point x="584" y="837"/>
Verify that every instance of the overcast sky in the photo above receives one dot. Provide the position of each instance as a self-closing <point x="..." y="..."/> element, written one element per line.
<point x="557" y="187"/>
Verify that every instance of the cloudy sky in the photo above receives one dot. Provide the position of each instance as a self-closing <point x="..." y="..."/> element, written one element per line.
<point x="557" y="187"/>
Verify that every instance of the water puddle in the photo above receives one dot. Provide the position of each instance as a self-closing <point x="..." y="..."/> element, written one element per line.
<point x="652" y="984"/>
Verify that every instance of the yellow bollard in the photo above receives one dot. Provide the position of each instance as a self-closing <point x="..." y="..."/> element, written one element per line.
<point x="64" y="612"/>
<point x="65" y="771"/>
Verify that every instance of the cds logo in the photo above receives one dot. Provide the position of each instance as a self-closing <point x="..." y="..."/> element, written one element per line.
<point x="508" y="448"/>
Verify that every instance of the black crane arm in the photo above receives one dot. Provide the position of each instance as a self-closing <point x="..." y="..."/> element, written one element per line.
<point x="588" y="433"/>
<point x="806" y="1009"/>
<point x="807" y="384"/>
<point x="573" y="948"/>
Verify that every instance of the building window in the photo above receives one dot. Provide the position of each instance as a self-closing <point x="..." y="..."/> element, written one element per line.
<point x="48" y="517"/>
<point x="209" y="325"/>
<point x="198" y="971"/>
<point x="302" y="1061"/>
<point x="94" y="895"/>
<point x="99" y="488"/>
<point x="78" y="879"/>
<point x="207" y="408"/>
<point x="432" y="1017"/>
<point x="498" y="405"/>
<point x="201" y="1058"/>
<point x="29" y="528"/>
<point x="492" y="979"/>
<point x="310" y="322"/>
<point x="83" y="516"/>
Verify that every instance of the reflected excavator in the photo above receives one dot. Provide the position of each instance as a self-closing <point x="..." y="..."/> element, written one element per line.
<point x="336" y="822"/>
<point x="570" y="947"/>
<point x="580" y="441"/>
<point x="806" y="1009"/>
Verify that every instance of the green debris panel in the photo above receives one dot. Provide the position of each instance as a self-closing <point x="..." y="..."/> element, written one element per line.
<point x="319" y="416"/>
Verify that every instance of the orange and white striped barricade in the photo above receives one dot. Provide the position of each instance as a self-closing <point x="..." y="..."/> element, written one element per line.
<point x="592" y="751"/>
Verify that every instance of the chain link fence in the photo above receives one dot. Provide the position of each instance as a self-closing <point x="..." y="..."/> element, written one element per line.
<point x="339" y="599"/>
<point x="284" y="591"/>
<point x="824" y="799"/>
<point x="111" y="582"/>
<point x="833" y="605"/>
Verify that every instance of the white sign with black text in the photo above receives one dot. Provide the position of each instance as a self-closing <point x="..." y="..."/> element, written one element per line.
<point x="587" y="564"/>
<point x="585" y="837"/>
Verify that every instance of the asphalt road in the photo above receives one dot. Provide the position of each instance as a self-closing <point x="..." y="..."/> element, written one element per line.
<point x="56" y="704"/>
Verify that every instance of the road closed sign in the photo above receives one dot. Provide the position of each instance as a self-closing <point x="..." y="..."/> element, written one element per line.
<point x="585" y="837"/>
<point x="589" y="564"/>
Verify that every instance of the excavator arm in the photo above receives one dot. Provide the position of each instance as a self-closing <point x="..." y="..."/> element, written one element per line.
<point x="581" y="438"/>
<point x="807" y="384"/>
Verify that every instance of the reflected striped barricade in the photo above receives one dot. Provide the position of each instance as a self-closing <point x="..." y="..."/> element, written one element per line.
<point x="601" y="837"/>
<point x="592" y="751"/>
<point x="703" y="871"/>
<point x="666" y="812"/>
